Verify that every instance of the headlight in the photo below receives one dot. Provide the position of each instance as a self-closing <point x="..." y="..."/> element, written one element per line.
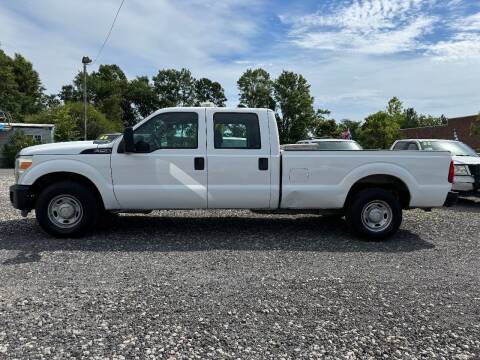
<point x="461" y="170"/>
<point x="22" y="164"/>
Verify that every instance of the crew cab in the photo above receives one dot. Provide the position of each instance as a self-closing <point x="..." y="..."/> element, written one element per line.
<point x="217" y="158"/>
<point x="465" y="159"/>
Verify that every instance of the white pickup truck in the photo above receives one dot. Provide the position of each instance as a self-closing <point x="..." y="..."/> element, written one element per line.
<point x="216" y="158"/>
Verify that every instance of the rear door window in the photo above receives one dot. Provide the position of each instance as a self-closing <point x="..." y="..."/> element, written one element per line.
<point x="236" y="131"/>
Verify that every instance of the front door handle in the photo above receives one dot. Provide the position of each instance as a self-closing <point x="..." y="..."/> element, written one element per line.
<point x="199" y="163"/>
<point x="263" y="164"/>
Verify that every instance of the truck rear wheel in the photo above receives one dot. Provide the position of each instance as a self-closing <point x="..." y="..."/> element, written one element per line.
<point x="66" y="209"/>
<point x="374" y="214"/>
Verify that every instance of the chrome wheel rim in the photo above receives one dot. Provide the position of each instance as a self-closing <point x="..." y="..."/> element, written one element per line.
<point x="65" y="211"/>
<point x="377" y="215"/>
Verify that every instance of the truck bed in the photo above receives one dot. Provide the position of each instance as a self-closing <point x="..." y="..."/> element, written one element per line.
<point x="311" y="177"/>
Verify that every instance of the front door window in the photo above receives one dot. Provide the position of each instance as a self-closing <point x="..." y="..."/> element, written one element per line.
<point x="167" y="131"/>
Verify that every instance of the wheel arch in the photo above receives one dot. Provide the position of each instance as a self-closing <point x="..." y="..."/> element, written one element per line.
<point x="60" y="176"/>
<point x="383" y="181"/>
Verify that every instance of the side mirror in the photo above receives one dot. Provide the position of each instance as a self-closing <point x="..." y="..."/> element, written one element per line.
<point x="128" y="140"/>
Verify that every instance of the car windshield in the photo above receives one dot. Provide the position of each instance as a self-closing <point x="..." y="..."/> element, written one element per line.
<point x="454" y="147"/>
<point x="338" y="145"/>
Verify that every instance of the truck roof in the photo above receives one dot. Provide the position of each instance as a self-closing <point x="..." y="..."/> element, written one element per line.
<point x="217" y="108"/>
<point x="233" y="109"/>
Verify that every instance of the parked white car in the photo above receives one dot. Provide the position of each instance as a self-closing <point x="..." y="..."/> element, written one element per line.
<point x="466" y="160"/>
<point x="332" y="144"/>
<point x="211" y="158"/>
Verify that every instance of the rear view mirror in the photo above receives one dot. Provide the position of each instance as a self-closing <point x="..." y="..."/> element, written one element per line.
<point x="128" y="140"/>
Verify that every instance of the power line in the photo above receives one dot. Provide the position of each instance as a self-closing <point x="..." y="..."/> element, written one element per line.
<point x="109" y="32"/>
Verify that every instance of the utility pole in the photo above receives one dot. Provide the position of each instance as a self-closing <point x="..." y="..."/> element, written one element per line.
<point x="85" y="61"/>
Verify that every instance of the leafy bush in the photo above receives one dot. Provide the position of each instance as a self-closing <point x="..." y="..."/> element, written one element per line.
<point x="17" y="142"/>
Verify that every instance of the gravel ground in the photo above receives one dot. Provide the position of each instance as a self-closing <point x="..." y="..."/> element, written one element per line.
<point x="235" y="284"/>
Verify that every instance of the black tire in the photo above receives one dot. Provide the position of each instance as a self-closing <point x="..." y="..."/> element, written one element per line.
<point x="387" y="208"/>
<point x="85" y="203"/>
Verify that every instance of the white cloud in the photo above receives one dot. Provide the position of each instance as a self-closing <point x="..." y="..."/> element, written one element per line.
<point x="372" y="42"/>
<point x="369" y="27"/>
<point x="462" y="47"/>
<point x="387" y="27"/>
<point x="55" y="34"/>
<point x="470" y="23"/>
<point x="362" y="16"/>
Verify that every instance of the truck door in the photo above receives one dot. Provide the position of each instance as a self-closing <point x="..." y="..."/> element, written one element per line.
<point x="168" y="168"/>
<point x="238" y="154"/>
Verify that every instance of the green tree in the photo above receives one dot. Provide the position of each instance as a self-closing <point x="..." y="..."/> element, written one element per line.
<point x="208" y="90"/>
<point x="69" y="121"/>
<point x="395" y="110"/>
<point x="297" y="117"/>
<point x="323" y="126"/>
<point x="9" y="92"/>
<point x="17" y="142"/>
<point x="29" y="85"/>
<point x="394" y="107"/>
<point x="256" y="89"/>
<point x="142" y="99"/>
<point x="70" y="93"/>
<point x="20" y="88"/>
<point x="174" y="87"/>
<point x="106" y="89"/>
<point x="410" y="119"/>
<point x="379" y="131"/>
<point x="66" y="126"/>
<point x="429" y="120"/>
<point x="443" y="119"/>
<point x="126" y="102"/>
<point x="50" y="101"/>
<point x="179" y="88"/>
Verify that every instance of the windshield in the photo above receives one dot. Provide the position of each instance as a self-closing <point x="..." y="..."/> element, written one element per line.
<point x="338" y="145"/>
<point x="454" y="147"/>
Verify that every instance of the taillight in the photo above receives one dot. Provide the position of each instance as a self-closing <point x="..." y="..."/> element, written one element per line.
<point x="451" y="173"/>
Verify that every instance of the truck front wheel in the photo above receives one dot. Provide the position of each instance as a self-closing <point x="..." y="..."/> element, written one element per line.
<point x="66" y="209"/>
<point x="374" y="214"/>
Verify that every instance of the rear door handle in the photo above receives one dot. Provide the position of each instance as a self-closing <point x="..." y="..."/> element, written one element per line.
<point x="263" y="164"/>
<point x="199" y="163"/>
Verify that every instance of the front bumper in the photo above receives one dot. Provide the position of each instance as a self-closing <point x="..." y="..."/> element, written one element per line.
<point x="451" y="199"/>
<point x="21" y="198"/>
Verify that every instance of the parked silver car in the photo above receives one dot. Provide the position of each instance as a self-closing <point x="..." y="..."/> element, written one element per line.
<point x="332" y="144"/>
<point x="467" y="161"/>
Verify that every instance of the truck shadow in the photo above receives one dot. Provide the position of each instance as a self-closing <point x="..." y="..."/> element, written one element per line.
<point x="199" y="233"/>
<point x="467" y="205"/>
